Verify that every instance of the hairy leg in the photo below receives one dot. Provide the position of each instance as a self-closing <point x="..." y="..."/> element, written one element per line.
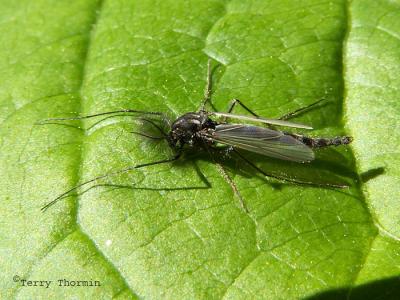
<point x="68" y="193"/>
<point x="208" y="89"/>
<point x="286" y="179"/>
<point x="300" y="110"/>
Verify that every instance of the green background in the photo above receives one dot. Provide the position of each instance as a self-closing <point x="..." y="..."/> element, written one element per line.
<point x="166" y="234"/>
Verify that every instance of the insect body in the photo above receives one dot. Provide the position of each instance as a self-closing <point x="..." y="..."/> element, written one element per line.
<point x="200" y="130"/>
<point x="191" y="129"/>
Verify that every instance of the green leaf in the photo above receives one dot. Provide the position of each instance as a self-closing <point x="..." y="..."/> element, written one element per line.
<point x="372" y="110"/>
<point x="178" y="230"/>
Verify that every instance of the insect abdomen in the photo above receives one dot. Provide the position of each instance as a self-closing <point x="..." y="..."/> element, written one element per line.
<point x="323" y="142"/>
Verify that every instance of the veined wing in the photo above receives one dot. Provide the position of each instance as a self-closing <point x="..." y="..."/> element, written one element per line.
<point x="263" y="141"/>
<point x="276" y="122"/>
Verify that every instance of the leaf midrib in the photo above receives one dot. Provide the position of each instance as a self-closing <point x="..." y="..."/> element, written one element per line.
<point x="81" y="146"/>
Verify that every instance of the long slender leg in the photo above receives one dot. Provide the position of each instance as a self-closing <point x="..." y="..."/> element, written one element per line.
<point x="230" y="181"/>
<point x="148" y="135"/>
<point x="235" y="101"/>
<point x="232" y="105"/>
<point x="164" y="135"/>
<point x="227" y="178"/>
<point x="282" y="178"/>
<point x="67" y="193"/>
<point x="124" y="115"/>
<point x="155" y="125"/>
<point x="129" y="111"/>
<point x="207" y="184"/>
<point x="48" y="121"/>
<point x="103" y="119"/>
<point x="300" y="110"/>
<point x="208" y="89"/>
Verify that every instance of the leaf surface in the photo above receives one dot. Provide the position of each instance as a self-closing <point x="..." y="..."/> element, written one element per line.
<point x="178" y="230"/>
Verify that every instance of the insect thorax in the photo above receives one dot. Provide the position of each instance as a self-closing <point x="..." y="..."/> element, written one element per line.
<point x="188" y="127"/>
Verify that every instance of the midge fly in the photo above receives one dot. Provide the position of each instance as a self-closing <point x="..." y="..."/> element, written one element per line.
<point x="199" y="130"/>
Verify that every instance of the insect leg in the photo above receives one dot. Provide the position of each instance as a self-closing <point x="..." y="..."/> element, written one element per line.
<point x="208" y="89"/>
<point x="300" y="110"/>
<point x="155" y="125"/>
<point x="67" y="193"/>
<point x="226" y="176"/>
<point x="128" y="111"/>
<point x="286" y="179"/>
<point x="230" y="181"/>
<point x="102" y="120"/>
<point x="232" y="105"/>
<point x="148" y="135"/>
<point x="164" y="135"/>
<point x="237" y="101"/>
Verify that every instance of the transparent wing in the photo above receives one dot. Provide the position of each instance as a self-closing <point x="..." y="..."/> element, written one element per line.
<point x="263" y="141"/>
<point x="261" y="120"/>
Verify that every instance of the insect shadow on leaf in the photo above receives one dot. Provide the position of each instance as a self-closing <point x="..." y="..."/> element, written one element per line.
<point x="211" y="133"/>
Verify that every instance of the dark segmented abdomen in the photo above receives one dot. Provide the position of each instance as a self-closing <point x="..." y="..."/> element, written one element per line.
<point x="322" y="142"/>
